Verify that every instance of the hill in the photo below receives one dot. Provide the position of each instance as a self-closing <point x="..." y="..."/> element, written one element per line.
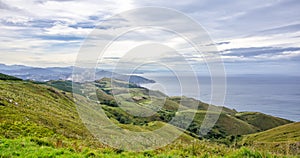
<point x="283" y="138"/>
<point x="289" y="132"/>
<point x="260" y="120"/>
<point x="44" y="119"/>
<point x="7" y="77"/>
<point x="230" y="121"/>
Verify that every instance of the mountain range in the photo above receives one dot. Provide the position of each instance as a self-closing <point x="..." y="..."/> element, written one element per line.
<point x="62" y="73"/>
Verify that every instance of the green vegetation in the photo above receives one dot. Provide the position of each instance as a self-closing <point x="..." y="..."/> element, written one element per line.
<point x="289" y="132"/>
<point x="230" y="121"/>
<point x="41" y="120"/>
<point x="63" y="85"/>
<point x="6" y="77"/>
<point x="260" y="120"/>
<point x="32" y="147"/>
<point x="42" y="105"/>
<point x="283" y="139"/>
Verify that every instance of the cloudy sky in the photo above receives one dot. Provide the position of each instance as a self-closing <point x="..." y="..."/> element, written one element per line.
<point x="251" y="36"/>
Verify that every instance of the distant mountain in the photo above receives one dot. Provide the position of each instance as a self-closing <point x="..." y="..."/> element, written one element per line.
<point x="62" y="73"/>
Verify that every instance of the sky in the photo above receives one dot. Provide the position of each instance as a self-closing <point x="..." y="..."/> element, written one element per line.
<point x="252" y="37"/>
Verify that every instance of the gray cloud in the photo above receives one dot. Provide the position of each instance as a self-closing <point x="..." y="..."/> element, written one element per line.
<point x="5" y="6"/>
<point x="43" y="1"/>
<point x="281" y="29"/>
<point x="255" y="51"/>
<point x="259" y="19"/>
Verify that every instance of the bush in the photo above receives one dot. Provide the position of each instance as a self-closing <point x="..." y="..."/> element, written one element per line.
<point x="41" y="142"/>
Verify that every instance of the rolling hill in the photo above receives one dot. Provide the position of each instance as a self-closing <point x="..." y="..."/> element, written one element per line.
<point x="260" y="120"/>
<point x="284" y="138"/>
<point x="42" y="117"/>
<point x="230" y="122"/>
<point x="289" y="132"/>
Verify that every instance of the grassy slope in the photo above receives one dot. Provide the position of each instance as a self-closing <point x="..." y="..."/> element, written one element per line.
<point x="230" y="122"/>
<point x="39" y="115"/>
<point x="41" y="105"/>
<point x="6" y="77"/>
<point x="289" y="132"/>
<point x="284" y="139"/>
<point x="23" y="102"/>
<point x="39" y="119"/>
<point x="260" y="120"/>
<point x="29" y="147"/>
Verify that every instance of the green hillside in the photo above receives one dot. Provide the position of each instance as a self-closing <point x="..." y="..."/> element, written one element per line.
<point x="289" y="132"/>
<point x="42" y="119"/>
<point x="230" y="121"/>
<point x="26" y="102"/>
<point x="283" y="138"/>
<point x="260" y="120"/>
<point x="7" y="77"/>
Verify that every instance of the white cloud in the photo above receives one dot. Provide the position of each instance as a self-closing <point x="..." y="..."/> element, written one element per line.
<point x="63" y="29"/>
<point x="275" y="40"/>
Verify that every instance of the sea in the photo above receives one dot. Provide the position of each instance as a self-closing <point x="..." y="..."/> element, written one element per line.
<point x="270" y="94"/>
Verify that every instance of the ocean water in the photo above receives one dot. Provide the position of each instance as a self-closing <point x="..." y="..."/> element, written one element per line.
<point x="274" y="95"/>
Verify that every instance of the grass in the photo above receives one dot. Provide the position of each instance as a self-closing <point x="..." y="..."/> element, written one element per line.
<point x="39" y="120"/>
<point x="255" y="119"/>
<point x="230" y="122"/>
<point x="283" y="139"/>
<point x="6" y="77"/>
<point x="41" y="105"/>
<point x="41" y="147"/>
<point x="289" y="132"/>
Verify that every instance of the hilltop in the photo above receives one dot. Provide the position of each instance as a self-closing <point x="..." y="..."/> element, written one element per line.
<point x="7" y="77"/>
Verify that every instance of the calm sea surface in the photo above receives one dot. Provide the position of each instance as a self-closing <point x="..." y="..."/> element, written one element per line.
<point x="275" y="95"/>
